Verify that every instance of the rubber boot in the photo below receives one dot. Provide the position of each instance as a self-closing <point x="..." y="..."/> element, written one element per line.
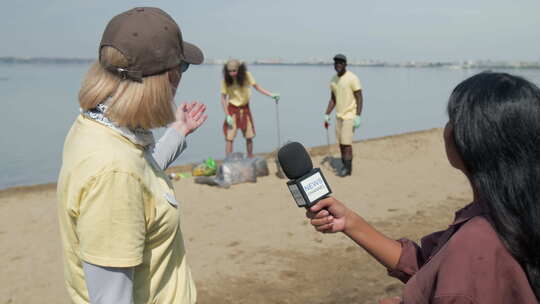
<point x="348" y="165"/>
<point x="346" y="170"/>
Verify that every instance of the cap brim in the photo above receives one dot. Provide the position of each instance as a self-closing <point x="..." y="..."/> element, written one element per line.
<point x="192" y="54"/>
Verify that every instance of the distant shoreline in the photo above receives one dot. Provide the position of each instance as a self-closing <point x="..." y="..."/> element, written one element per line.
<point x="469" y="64"/>
<point x="313" y="151"/>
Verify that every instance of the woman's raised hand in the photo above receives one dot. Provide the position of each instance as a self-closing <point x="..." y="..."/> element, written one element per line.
<point x="189" y="117"/>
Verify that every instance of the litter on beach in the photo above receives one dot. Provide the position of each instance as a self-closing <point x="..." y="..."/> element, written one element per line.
<point x="236" y="169"/>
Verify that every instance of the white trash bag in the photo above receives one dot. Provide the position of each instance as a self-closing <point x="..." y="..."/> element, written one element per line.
<point x="236" y="169"/>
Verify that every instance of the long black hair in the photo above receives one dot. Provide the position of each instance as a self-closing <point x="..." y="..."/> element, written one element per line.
<point x="240" y="77"/>
<point x="496" y="123"/>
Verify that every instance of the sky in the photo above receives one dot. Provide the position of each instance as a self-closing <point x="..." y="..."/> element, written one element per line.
<point x="395" y="31"/>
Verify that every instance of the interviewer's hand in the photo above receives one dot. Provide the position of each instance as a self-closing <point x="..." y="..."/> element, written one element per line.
<point x="394" y="300"/>
<point x="189" y="117"/>
<point x="328" y="215"/>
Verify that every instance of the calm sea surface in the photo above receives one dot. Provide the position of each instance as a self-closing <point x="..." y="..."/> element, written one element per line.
<point x="39" y="105"/>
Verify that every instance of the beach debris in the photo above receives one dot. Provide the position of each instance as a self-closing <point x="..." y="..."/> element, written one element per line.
<point x="236" y="169"/>
<point x="261" y="166"/>
<point x="179" y="175"/>
<point x="206" y="168"/>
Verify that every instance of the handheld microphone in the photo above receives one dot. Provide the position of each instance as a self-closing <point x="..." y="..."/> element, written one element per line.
<point x="307" y="184"/>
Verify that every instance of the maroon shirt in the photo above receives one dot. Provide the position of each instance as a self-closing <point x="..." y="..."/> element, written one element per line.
<point x="467" y="263"/>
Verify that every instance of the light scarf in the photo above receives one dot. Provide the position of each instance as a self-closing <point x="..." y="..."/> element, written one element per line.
<point x="138" y="136"/>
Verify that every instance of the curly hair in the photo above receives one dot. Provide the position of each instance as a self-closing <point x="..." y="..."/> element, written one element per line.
<point x="240" y="77"/>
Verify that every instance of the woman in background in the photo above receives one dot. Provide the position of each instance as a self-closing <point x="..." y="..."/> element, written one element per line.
<point x="119" y="217"/>
<point x="235" y="95"/>
<point x="489" y="254"/>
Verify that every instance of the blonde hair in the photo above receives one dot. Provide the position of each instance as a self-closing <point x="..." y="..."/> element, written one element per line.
<point x="147" y="104"/>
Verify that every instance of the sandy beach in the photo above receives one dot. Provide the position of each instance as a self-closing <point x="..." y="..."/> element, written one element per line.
<point x="250" y="243"/>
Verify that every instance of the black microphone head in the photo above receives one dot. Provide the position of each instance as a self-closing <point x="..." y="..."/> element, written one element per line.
<point x="294" y="160"/>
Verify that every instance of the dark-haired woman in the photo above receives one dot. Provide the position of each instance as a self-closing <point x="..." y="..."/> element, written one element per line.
<point x="235" y="95"/>
<point x="489" y="254"/>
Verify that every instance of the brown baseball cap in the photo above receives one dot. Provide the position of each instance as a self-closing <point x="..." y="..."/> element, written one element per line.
<point x="150" y="40"/>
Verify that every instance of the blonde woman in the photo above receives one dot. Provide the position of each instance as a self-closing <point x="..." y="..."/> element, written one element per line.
<point x="119" y="216"/>
<point x="235" y="96"/>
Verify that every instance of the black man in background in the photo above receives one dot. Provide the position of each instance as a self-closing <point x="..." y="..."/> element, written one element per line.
<point x="346" y="97"/>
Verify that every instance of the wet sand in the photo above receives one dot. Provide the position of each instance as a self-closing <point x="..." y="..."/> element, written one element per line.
<point x="250" y="243"/>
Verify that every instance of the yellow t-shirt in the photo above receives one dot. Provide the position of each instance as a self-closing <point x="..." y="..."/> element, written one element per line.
<point x="116" y="208"/>
<point x="343" y="88"/>
<point x="239" y="95"/>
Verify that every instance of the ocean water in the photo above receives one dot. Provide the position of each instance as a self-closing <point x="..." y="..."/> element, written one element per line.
<point x="39" y="105"/>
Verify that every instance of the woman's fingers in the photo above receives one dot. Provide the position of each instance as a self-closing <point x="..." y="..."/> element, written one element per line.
<point x="181" y="108"/>
<point x="322" y="221"/>
<point x="198" y="112"/>
<point x="201" y="120"/>
<point x="192" y="108"/>
<point x="324" y="203"/>
<point x="194" y="104"/>
<point x="188" y="106"/>
<point x="190" y="115"/>
<point x="394" y="300"/>
<point x="324" y="228"/>
<point x="319" y="214"/>
<point x="197" y="108"/>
